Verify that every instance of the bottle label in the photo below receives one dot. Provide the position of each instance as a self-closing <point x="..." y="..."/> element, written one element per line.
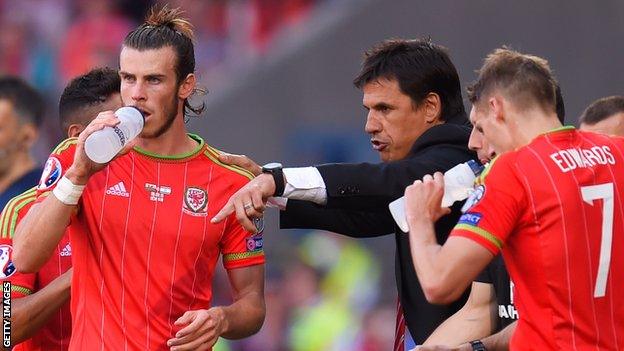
<point x="120" y="134"/>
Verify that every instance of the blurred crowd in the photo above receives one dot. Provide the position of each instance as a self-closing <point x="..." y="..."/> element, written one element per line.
<point x="48" y="42"/>
<point x="323" y="292"/>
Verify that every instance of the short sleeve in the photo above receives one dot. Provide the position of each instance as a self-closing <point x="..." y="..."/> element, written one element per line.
<point x="493" y="209"/>
<point x="13" y="212"/>
<point x="241" y="248"/>
<point x="21" y="284"/>
<point x="55" y="167"/>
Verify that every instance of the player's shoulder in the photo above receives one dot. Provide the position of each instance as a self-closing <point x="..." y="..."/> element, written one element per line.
<point x="12" y="210"/>
<point x="211" y="153"/>
<point x="500" y="163"/>
<point x="64" y="146"/>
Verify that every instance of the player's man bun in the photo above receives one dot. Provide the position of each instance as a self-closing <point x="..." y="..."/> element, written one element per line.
<point x="171" y="18"/>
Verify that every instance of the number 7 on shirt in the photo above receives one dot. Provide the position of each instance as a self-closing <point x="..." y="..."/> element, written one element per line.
<point x="604" y="192"/>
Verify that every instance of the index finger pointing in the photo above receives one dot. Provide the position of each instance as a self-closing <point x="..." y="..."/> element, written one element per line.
<point x="225" y="211"/>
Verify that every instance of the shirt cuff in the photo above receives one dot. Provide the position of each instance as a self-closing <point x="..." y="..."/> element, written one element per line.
<point x="305" y="183"/>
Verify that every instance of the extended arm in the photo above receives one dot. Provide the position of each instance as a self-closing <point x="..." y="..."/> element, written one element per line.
<point x="475" y="320"/>
<point x="444" y="271"/>
<point x="356" y="224"/>
<point x="242" y="318"/>
<point x="30" y="313"/>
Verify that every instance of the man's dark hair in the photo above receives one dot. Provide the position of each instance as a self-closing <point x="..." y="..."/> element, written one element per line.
<point x="420" y="67"/>
<point x="559" y="105"/>
<point x="602" y="109"/>
<point x="85" y="92"/>
<point x="526" y="79"/>
<point x="27" y="101"/>
<point x="166" y="27"/>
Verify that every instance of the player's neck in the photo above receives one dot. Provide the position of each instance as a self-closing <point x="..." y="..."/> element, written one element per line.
<point x="530" y="127"/>
<point x="174" y="141"/>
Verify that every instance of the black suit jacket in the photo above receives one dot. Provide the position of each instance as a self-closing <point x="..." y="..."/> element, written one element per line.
<point x="357" y="205"/>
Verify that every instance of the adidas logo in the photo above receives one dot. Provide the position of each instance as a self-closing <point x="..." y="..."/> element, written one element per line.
<point x="66" y="252"/>
<point x="118" y="189"/>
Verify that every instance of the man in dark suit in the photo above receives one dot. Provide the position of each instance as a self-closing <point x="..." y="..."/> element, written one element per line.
<point x="418" y="124"/>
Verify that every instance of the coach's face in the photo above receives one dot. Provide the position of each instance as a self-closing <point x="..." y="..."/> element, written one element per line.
<point x="149" y="82"/>
<point x="394" y="121"/>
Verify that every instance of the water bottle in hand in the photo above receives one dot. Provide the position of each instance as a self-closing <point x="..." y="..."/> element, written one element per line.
<point x="104" y="144"/>
<point x="458" y="184"/>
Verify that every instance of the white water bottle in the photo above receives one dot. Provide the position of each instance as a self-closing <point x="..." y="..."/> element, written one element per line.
<point x="458" y="185"/>
<point x="103" y="145"/>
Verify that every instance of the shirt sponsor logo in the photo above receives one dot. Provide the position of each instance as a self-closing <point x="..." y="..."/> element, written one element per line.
<point x="157" y="193"/>
<point x="471" y="218"/>
<point x="118" y="189"/>
<point x="6" y="261"/>
<point x="571" y="159"/>
<point x="52" y="172"/>
<point x="195" y="201"/>
<point x="474" y="198"/>
<point x="66" y="252"/>
<point x="255" y="243"/>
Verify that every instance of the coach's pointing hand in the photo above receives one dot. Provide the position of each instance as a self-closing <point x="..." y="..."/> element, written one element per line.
<point x="203" y="328"/>
<point x="248" y="202"/>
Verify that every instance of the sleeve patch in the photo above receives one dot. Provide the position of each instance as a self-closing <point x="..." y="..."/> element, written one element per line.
<point x="7" y="268"/>
<point x="51" y="173"/>
<point x="470" y="218"/>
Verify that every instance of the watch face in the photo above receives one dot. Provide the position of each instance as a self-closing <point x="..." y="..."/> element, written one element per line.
<point x="272" y="165"/>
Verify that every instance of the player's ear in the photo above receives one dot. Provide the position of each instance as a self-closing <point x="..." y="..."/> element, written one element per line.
<point x="74" y="130"/>
<point x="497" y="105"/>
<point x="187" y="86"/>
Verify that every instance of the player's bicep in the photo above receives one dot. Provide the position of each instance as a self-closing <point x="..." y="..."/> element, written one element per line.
<point x="464" y="260"/>
<point x="247" y="281"/>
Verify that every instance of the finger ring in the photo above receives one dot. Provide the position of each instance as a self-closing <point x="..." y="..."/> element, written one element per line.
<point x="247" y="206"/>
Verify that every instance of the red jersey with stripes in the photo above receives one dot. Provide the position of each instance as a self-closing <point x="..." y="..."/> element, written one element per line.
<point x="144" y="249"/>
<point x="555" y="207"/>
<point x="56" y="332"/>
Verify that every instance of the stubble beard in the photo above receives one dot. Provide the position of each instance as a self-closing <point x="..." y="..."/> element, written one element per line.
<point x="170" y="117"/>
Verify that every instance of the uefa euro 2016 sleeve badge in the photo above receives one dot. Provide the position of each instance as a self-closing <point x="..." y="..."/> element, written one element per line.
<point x="6" y="261"/>
<point x="195" y="202"/>
<point x="52" y="172"/>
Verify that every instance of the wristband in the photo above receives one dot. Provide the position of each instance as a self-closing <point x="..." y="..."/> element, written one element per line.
<point x="67" y="192"/>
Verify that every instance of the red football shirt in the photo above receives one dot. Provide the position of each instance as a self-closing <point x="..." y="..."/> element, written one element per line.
<point x="55" y="334"/>
<point x="555" y="207"/>
<point x="144" y="249"/>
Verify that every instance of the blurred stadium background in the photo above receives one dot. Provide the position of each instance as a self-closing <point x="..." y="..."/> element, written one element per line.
<point x="279" y="77"/>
